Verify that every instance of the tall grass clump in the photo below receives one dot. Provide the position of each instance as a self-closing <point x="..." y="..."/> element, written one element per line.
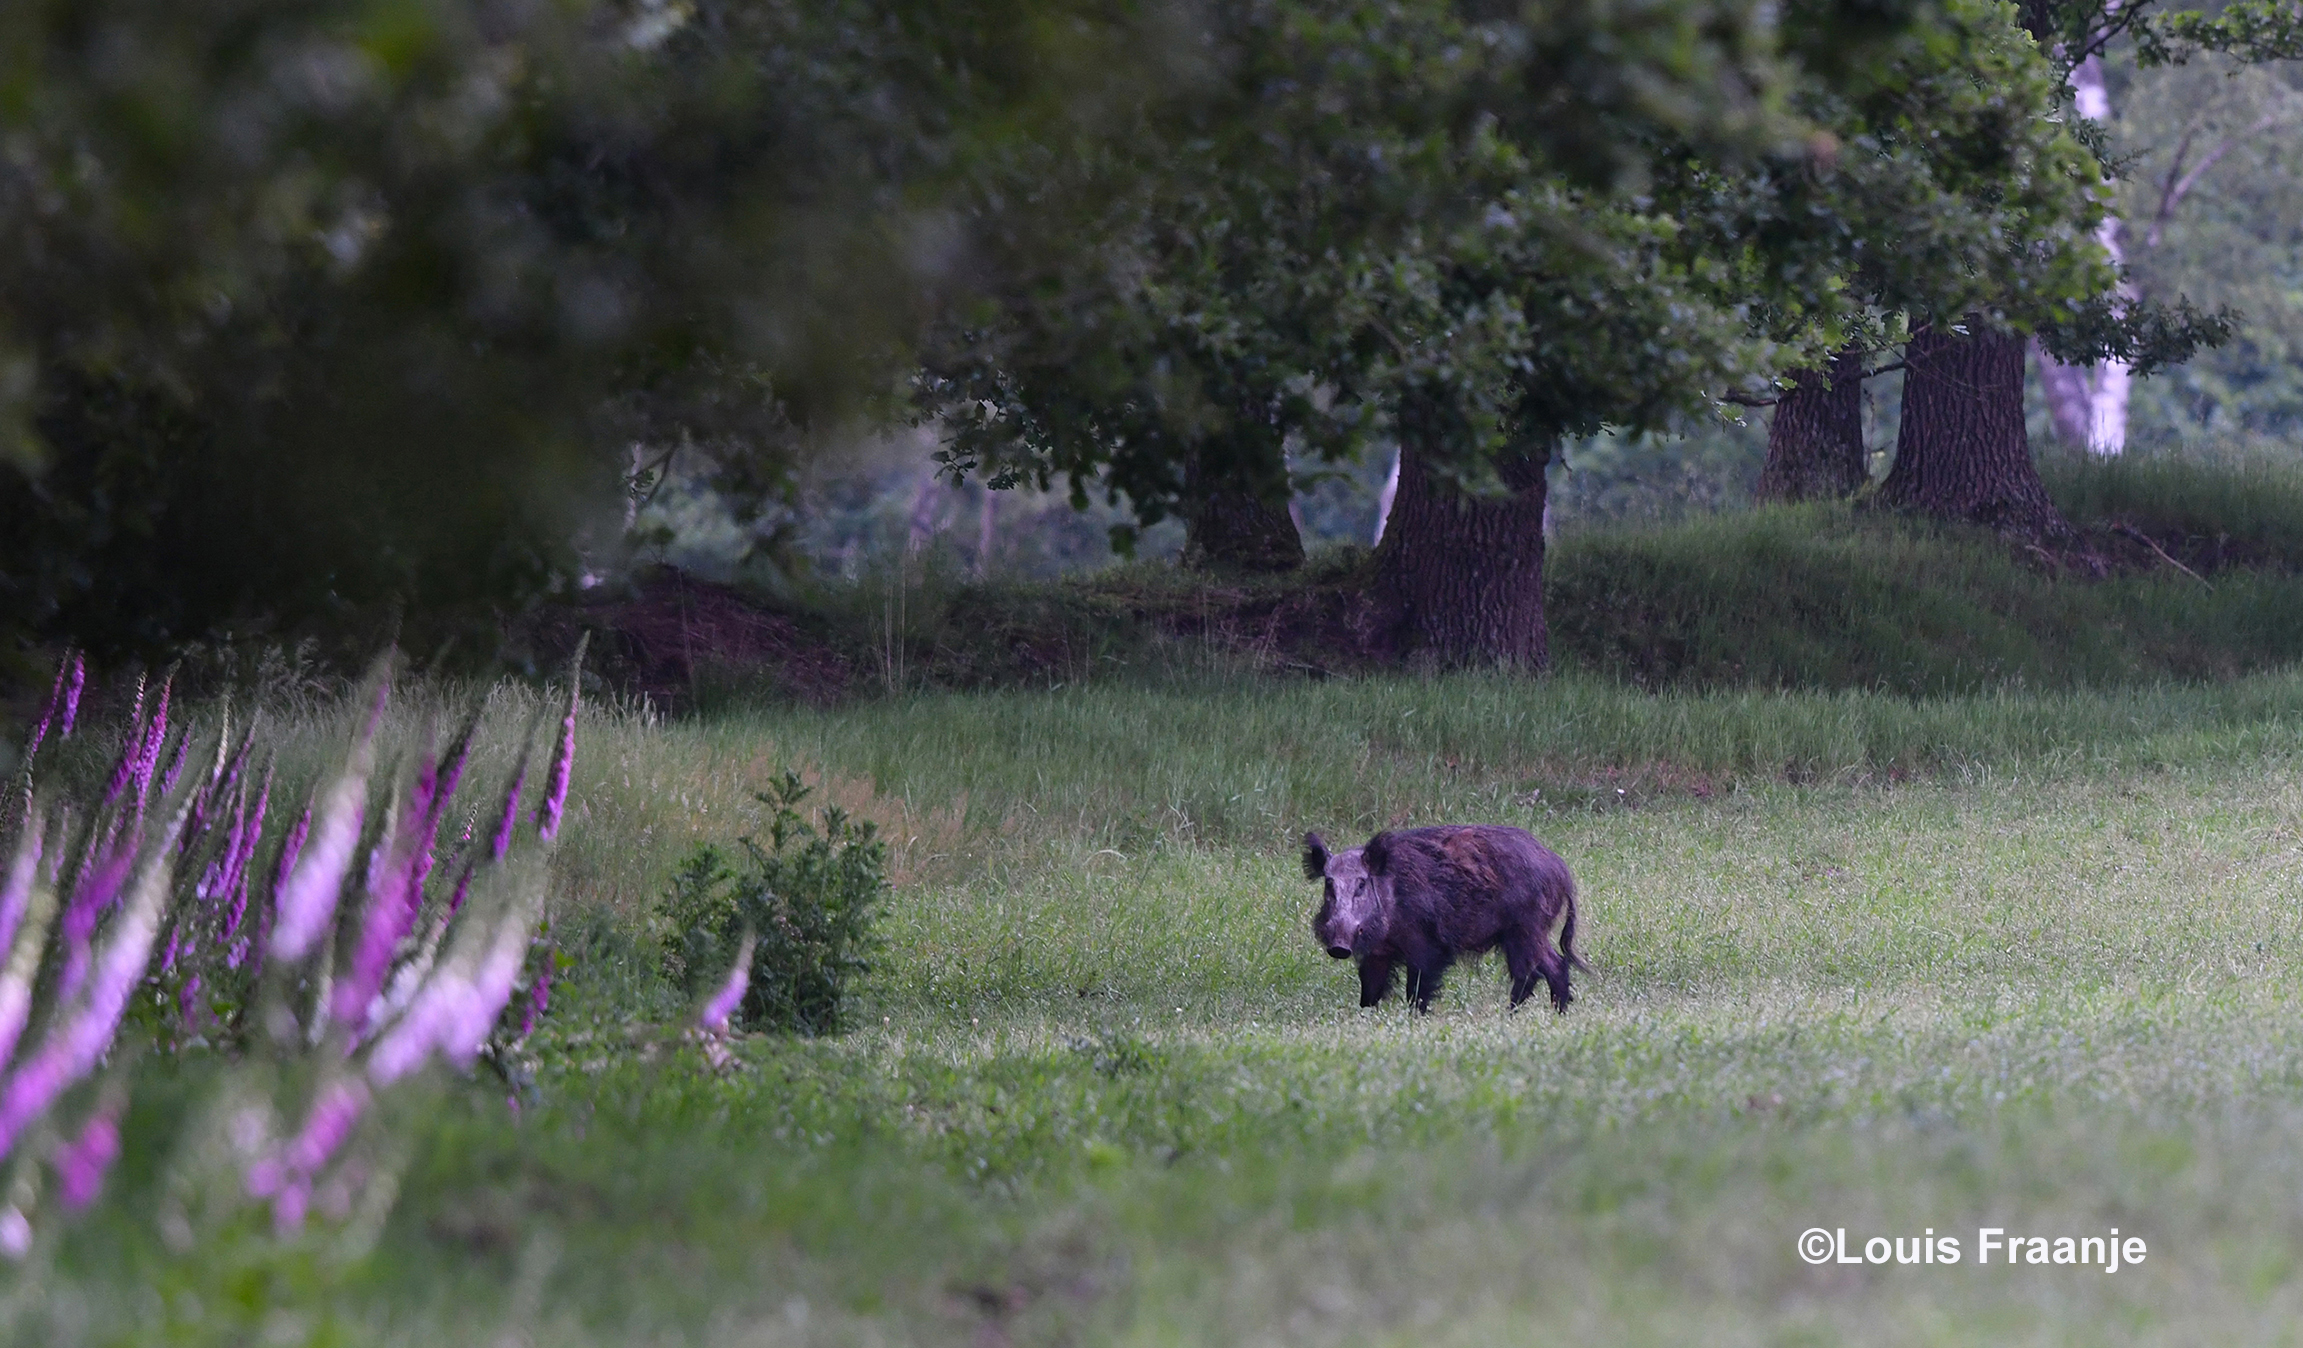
<point x="323" y="936"/>
<point x="1828" y="596"/>
<point x="2250" y="495"/>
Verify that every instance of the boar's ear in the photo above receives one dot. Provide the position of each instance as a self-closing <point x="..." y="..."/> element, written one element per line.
<point x="1314" y="857"/>
<point x="1377" y="854"/>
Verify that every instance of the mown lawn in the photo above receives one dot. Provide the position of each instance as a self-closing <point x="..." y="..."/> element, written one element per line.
<point x="2018" y="960"/>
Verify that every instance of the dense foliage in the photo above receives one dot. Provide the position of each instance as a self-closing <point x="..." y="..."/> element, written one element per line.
<point x="803" y="906"/>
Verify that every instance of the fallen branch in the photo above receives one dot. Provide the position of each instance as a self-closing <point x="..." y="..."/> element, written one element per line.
<point x="2145" y="539"/>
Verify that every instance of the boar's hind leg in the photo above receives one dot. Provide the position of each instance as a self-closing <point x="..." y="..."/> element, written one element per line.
<point x="1530" y="956"/>
<point x="1375" y="973"/>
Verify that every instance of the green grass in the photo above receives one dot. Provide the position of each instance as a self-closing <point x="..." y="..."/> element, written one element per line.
<point x="2026" y="959"/>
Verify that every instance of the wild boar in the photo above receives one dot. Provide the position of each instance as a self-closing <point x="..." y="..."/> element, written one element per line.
<point x="1425" y="897"/>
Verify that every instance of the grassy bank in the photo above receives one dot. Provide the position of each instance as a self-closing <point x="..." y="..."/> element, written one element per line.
<point x="1106" y="1090"/>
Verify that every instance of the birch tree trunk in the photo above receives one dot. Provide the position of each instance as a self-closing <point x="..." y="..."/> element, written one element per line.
<point x="2088" y="403"/>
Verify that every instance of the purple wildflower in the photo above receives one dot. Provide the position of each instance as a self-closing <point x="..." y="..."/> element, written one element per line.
<point x="236" y="877"/>
<point x="80" y="1165"/>
<point x="16" y="889"/>
<point x="294" y="847"/>
<point x="714" y="1018"/>
<point x="130" y="748"/>
<point x="76" y="1044"/>
<point x="391" y="910"/>
<point x="47" y="714"/>
<point x="563" y="761"/>
<point x="489" y="990"/>
<point x="539" y="996"/>
<point x="511" y="815"/>
<point x="23" y="962"/>
<point x="72" y="695"/>
<point x="463" y="890"/>
<point x="333" y="1114"/>
<point x="307" y="899"/>
<point x="99" y="886"/>
<point x="175" y="764"/>
<point x="188" y="1000"/>
<point x="155" y="739"/>
<point x="286" y="1179"/>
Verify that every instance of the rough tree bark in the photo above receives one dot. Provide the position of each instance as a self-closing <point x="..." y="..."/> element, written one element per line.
<point x="1962" y="452"/>
<point x="1463" y="573"/>
<point x="1815" y="440"/>
<point x="1230" y="526"/>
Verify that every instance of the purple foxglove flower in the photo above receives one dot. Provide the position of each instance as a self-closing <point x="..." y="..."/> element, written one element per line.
<point x="289" y="1208"/>
<point x="511" y="815"/>
<point x="539" y="996"/>
<point x="564" y="754"/>
<point x="292" y="848"/>
<point x="175" y="940"/>
<point x="307" y="899"/>
<point x="80" y="1165"/>
<point x="489" y="990"/>
<point x="99" y="886"/>
<point x="556" y="780"/>
<point x="48" y="713"/>
<point x="23" y="869"/>
<point x="155" y="739"/>
<point x="72" y="695"/>
<point x="713" y="1019"/>
<point x="23" y="963"/>
<point x="218" y="878"/>
<point x="175" y="763"/>
<point x="410" y="1040"/>
<point x="463" y="889"/>
<point x="333" y="1115"/>
<point x="236" y="876"/>
<point x="188" y="1001"/>
<point x="131" y="749"/>
<point x="80" y="1039"/>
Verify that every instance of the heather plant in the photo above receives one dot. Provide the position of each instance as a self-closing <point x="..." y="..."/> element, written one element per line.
<point x="798" y="913"/>
<point x="327" y="952"/>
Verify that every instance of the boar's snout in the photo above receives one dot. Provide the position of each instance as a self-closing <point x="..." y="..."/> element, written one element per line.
<point x="1341" y="952"/>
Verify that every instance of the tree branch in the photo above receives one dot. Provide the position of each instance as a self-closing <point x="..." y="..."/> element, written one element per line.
<point x="2171" y="196"/>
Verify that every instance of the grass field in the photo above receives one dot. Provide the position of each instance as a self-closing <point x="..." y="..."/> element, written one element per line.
<point x="2022" y="960"/>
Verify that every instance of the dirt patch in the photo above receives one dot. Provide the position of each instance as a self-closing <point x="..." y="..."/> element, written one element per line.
<point x="2109" y="548"/>
<point x="671" y="636"/>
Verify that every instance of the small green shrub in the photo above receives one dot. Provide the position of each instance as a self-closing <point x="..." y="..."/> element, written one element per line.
<point x="811" y="897"/>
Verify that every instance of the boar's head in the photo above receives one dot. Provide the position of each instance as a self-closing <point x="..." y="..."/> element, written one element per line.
<point x="1355" y="911"/>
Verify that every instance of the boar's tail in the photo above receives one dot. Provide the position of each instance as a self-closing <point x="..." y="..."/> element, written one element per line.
<point x="1567" y="938"/>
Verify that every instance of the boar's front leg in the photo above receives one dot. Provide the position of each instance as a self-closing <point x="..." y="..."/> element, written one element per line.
<point x="1423" y="984"/>
<point x="1375" y="973"/>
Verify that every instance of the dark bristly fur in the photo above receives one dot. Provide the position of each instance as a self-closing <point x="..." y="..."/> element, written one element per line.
<point x="1422" y="898"/>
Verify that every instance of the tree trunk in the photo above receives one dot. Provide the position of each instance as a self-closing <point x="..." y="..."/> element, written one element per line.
<point x="2068" y="396"/>
<point x="2089" y="402"/>
<point x="1962" y="452"/>
<point x="1383" y="499"/>
<point x="1815" y="440"/>
<point x="1231" y="527"/>
<point x="1464" y="574"/>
